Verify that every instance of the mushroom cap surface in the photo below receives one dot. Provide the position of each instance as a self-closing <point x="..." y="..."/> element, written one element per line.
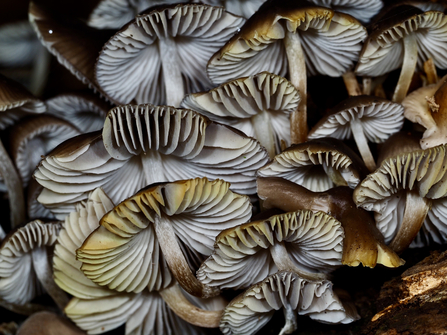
<point x="18" y="281"/>
<point x="250" y="311"/>
<point x="311" y="165"/>
<point x="362" y="10"/>
<point x="383" y="50"/>
<point x="331" y="42"/>
<point x="130" y="66"/>
<point x="124" y="253"/>
<point x="241" y="256"/>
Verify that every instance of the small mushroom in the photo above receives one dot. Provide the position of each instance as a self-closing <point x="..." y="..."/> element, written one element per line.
<point x="318" y="165"/>
<point x="47" y="323"/>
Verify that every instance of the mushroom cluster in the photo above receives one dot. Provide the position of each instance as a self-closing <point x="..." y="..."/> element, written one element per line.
<point x="195" y="159"/>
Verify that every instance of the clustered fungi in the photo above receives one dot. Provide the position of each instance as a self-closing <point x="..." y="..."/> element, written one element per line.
<point x="188" y="168"/>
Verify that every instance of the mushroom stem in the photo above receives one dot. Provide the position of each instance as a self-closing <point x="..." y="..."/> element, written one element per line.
<point x="41" y="67"/>
<point x="263" y="131"/>
<point x="181" y="306"/>
<point x="283" y="262"/>
<point x="44" y="273"/>
<point x="408" y="67"/>
<point x="335" y="175"/>
<point x="430" y="71"/>
<point x="298" y="77"/>
<point x="351" y="83"/>
<point x="152" y="167"/>
<point x="172" y="75"/>
<point x="362" y="144"/>
<point x="291" y="321"/>
<point x="367" y="85"/>
<point x="416" y="209"/>
<point x="14" y="187"/>
<point x="177" y="262"/>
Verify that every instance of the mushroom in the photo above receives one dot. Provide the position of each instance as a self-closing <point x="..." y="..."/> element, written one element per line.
<point x="15" y="102"/>
<point x="159" y="224"/>
<point x="249" y="312"/>
<point x="47" y="323"/>
<point x="258" y="105"/>
<point x="364" y="118"/>
<point x="35" y="136"/>
<point x="317" y="165"/>
<point x="426" y="106"/>
<point x="97" y="309"/>
<point x="85" y="111"/>
<point x="309" y="243"/>
<point x="309" y="38"/>
<point x="150" y="59"/>
<point x="363" y="242"/>
<point x="404" y="36"/>
<point x="407" y="192"/>
<point x="24" y="267"/>
<point x="153" y="144"/>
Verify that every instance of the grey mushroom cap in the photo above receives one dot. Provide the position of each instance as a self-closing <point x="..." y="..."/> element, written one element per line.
<point x="141" y="63"/>
<point x="250" y="311"/>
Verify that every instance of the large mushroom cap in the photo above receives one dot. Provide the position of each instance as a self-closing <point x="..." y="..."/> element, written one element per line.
<point x="128" y="252"/>
<point x="318" y="165"/>
<point x="330" y="40"/>
<point x="241" y="256"/>
<point x="250" y="311"/>
<point x="152" y="144"/>
<point x="162" y="54"/>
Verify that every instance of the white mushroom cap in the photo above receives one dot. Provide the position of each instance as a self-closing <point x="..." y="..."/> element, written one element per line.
<point x="161" y="55"/>
<point x="152" y="144"/>
<point x="259" y="106"/>
<point x="250" y="311"/>
<point x="18" y="281"/>
<point x="362" y="10"/>
<point x="241" y="256"/>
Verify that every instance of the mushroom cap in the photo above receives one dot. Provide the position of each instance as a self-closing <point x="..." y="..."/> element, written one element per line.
<point x="331" y="42"/>
<point x="420" y="171"/>
<point x="250" y="311"/>
<point x="173" y="143"/>
<point x="383" y="50"/>
<point x="241" y="256"/>
<point x="35" y="136"/>
<point x="47" y="323"/>
<point x="380" y="118"/>
<point x="86" y="111"/>
<point x="16" y="102"/>
<point x="130" y="67"/>
<point x="237" y="102"/>
<point x="426" y="107"/>
<point x="76" y="228"/>
<point x="124" y="253"/>
<point x="362" y="10"/>
<point x="75" y="45"/>
<point x="18" y="281"/>
<point x="316" y="164"/>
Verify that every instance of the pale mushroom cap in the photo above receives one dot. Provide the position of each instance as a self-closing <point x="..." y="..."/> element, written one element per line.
<point x="130" y="66"/>
<point x="124" y="253"/>
<point x="380" y="118"/>
<point x="362" y="10"/>
<point x="334" y="38"/>
<point x="238" y="102"/>
<point x="85" y="111"/>
<point x="383" y="50"/>
<point x="18" y="282"/>
<point x="250" y="311"/>
<point x="309" y="164"/>
<point x="421" y="171"/>
<point x="241" y="256"/>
